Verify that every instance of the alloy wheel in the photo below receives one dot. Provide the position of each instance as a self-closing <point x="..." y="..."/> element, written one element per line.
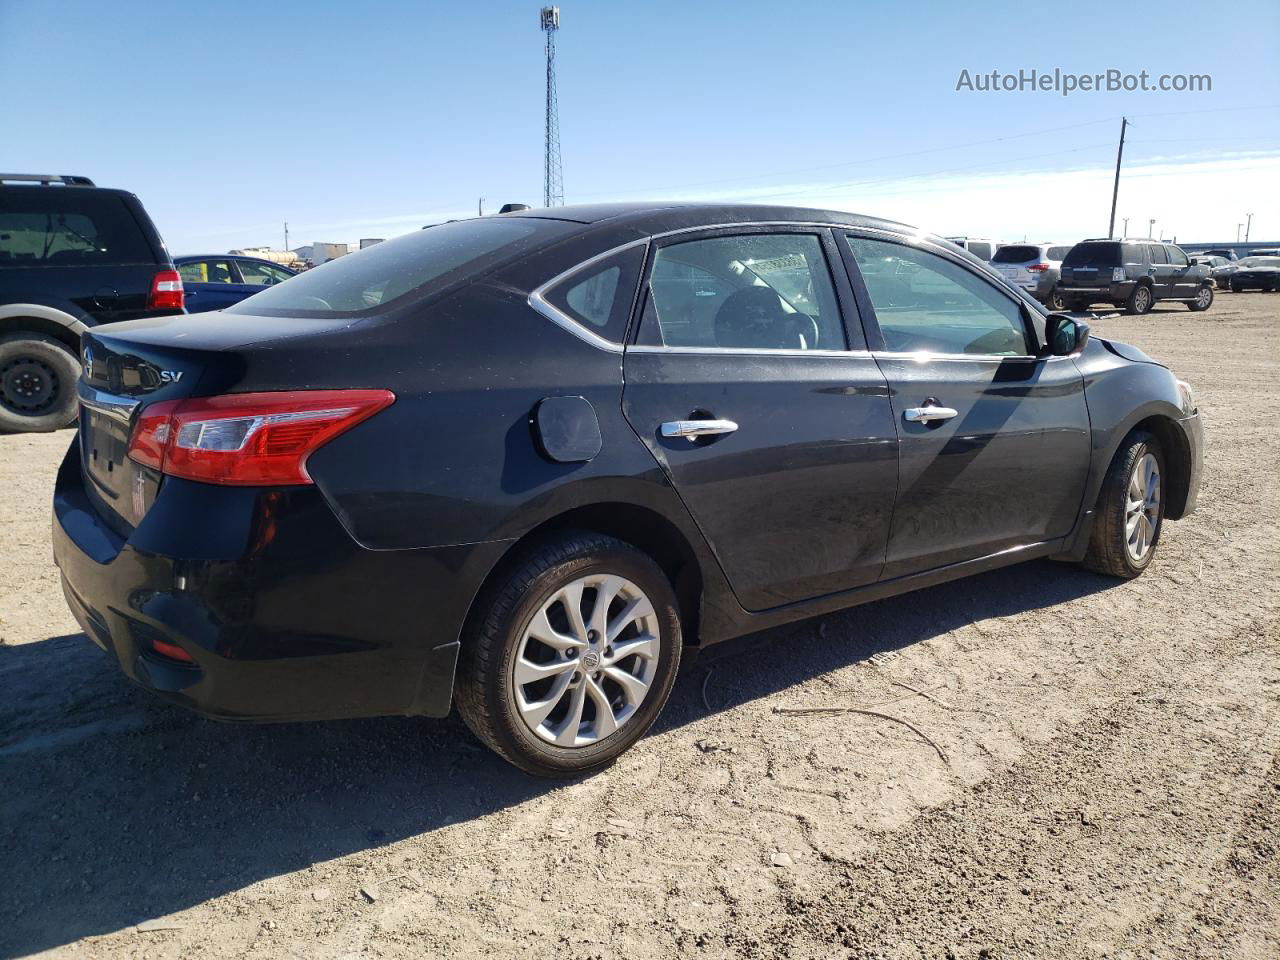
<point x="586" y="661"/>
<point x="1142" y="508"/>
<point x="1142" y="300"/>
<point x="1204" y="297"/>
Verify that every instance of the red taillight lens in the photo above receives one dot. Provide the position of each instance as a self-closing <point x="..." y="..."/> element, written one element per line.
<point x="1038" y="267"/>
<point x="166" y="291"/>
<point x="171" y="650"/>
<point x="248" y="439"/>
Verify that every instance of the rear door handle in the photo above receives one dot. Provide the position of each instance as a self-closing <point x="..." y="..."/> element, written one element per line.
<point x="692" y="429"/>
<point x="928" y="414"/>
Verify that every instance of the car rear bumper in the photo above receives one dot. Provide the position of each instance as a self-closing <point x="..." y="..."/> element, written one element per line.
<point x="1115" y="292"/>
<point x="283" y="614"/>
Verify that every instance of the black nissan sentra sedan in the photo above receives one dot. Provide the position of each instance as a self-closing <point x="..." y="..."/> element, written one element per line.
<point x="522" y="462"/>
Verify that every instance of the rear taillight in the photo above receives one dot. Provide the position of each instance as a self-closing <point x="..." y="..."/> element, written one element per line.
<point x="166" y="291"/>
<point x="1038" y="267"/>
<point x="248" y="439"/>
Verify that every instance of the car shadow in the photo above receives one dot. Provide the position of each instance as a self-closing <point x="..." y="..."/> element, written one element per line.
<point x="119" y="807"/>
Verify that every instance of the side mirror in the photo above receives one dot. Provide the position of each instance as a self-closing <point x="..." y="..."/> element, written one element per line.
<point x="1065" y="335"/>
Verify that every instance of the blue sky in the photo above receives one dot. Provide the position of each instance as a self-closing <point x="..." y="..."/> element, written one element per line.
<point x="370" y="119"/>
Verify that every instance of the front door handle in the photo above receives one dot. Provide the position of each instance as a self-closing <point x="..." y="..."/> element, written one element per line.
<point x="928" y="414"/>
<point x="693" y="429"/>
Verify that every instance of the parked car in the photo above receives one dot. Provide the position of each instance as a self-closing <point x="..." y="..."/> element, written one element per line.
<point x="72" y="256"/>
<point x="1257" y="273"/>
<point x="1226" y="252"/>
<point x="983" y="249"/>
<point x="1035" y="267"/>
<point x="1265" y="252"/>
<point x="1222" y="273"/>
<point x="521" y="462"/>
<point x="216" y="281"/>
<point x="1134" y="274"/>
<point x="1215" y="264"/>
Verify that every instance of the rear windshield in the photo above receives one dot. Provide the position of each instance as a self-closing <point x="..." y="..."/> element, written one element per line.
<point x="397" y="270"/>
<point x="1260" y="262"/>
<point x="1104" y="254"/>
<point x="68" y="226"/>
<point x="1016" y="254"/>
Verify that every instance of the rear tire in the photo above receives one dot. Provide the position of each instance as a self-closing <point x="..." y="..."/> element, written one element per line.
<point x="1140" y="300"/>
<point x="1203" y="300"/>
<point x="585" y="666"/>
<point x="37" y="383"/>
<point x="1057" y="302"/>
<point x="1129" y="516"/>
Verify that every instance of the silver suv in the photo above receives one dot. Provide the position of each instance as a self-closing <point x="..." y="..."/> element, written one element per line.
<point x="1035" y="268"/>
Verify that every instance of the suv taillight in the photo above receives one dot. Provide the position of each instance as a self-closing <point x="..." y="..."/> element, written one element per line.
<point x="166" y="291"/>
<point x="248" y="439"/>
<point x="1038" y="267"/>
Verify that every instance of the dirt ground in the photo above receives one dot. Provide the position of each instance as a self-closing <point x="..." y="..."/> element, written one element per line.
<point x="1106" y="782"/>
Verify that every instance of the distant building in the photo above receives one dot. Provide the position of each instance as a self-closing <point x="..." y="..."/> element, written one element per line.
<point x="324" y="252"/>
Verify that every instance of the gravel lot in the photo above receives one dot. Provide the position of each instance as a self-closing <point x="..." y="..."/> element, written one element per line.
<point x="1107" y="783"/>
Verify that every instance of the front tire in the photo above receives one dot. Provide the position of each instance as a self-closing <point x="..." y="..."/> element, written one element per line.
<point x="37" y="383"/>
<point x="1130" y="511"/>
<point x="571" y="656"/>
<point x="1203" y="300"/>
<point x="1140" y="300"/>
<point x="1057" y="302"/>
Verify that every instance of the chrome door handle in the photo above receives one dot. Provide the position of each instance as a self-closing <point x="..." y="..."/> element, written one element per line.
<point x="692" y="429"/>
<point x="928" y="414"/>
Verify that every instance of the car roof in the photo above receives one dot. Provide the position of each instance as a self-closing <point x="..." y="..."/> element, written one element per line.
<point x="656" y="217"/>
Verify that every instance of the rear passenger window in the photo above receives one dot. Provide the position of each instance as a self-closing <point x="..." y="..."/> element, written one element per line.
<point x="924" y="303"/>
<point x="1157" y="254"/>
<point x="599" y="297"/>
<point x="755" y="291"/>
<point x="68" y="226"/>
<point x="206" y="271"/>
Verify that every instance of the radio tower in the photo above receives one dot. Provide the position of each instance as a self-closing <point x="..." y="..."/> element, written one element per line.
<point x="552" y="179"/>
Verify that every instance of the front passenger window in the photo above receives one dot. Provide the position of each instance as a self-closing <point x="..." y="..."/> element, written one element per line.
<point x="926" y="304"/>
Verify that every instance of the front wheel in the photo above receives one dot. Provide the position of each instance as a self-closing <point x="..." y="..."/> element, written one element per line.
<point x="1130" y="509"/>
<point x="1057" y="302"/>
<point x="1203" y="300"/>
<point x="572" y="655"/>
<point x="1140" y="301"/>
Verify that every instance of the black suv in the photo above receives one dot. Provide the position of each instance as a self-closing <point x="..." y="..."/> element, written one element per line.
<point x="1134" y="274"/>
<point x="72" y="256"/>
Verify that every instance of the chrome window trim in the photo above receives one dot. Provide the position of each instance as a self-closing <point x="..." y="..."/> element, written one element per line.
<point x="107" y="404"/>
<point x="747" y="351"/>
<point x="538" y="300"/>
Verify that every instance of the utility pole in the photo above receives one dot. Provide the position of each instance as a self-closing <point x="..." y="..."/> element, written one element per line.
<point x="286" y="234"/>
<point x="480" y="208"/>
<point x="1115" y="191"/>
<point x="1126" y="227"/>
<point x="552" y="177"/>
<point x="1238" y="226"/>
<point x="1151" y="228"/>
<point x="1248" y="226"/>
